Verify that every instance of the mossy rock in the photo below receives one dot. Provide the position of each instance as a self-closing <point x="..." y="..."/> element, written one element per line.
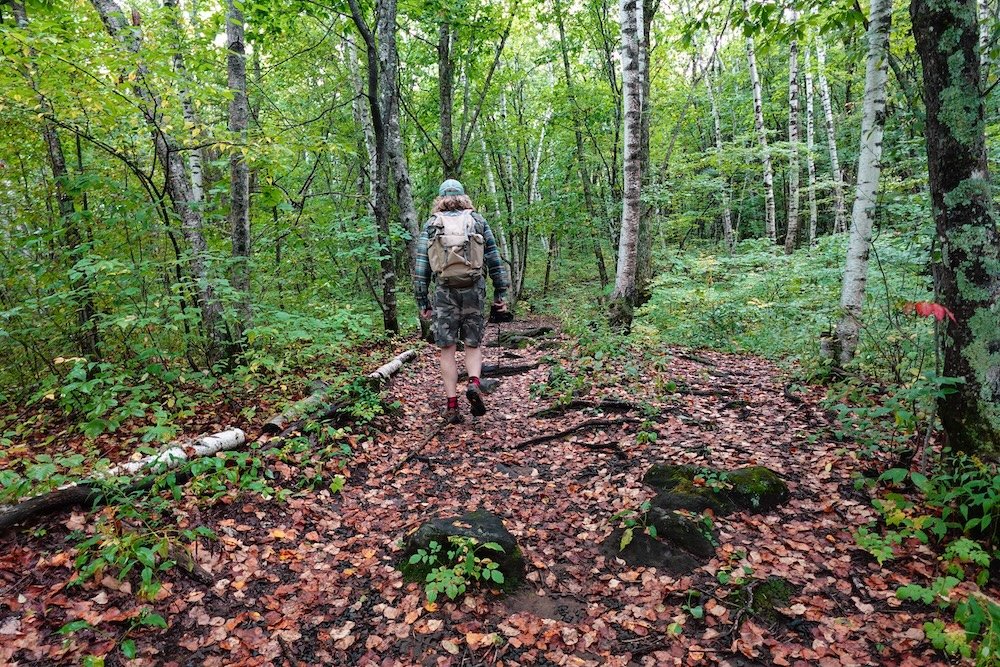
<point x="756" y="489"/>
<point x="666" y="477"/>
<point x="480" y="525"/>
<point x="689" y="534"/>
<point x="645" y="551"/>
<point x="774" y="592"/>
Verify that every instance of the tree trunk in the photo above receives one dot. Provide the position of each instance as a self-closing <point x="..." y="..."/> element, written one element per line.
<point x="581" y="158"/>
<point x="810" y="146"/>
<point x="644" y="252"/>
<point x="624" y="294"/>
<point x="364" y="121"/>
<point x="839" y="210"/>
<point x="239" y="172"/>
<point x="446" y="82"/>
<point x="852" y="293"/>
<point x="792" y="229"/>
<point x="967" y="281"/>
<point x="400" y="171"/>
<point x="770" y="224"/>
<point x="82" y="300"/>
<point x="381" y="77"/>
<point x="727" y="213"/>
<point x="187" y="106"/>
<point x="178" y="186"/>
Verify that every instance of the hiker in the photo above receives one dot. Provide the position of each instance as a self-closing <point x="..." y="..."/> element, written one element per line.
<point x="455" y="246"/>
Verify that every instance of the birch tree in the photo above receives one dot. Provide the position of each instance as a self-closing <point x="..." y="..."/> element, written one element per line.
<point x="770" y="224"/>
<point x="792" y="228"/>
<point x="810" y="147"/>
<point x="624" y="293"/>
<point x="178" y="185"/>
<point x="839" y="210"/>
<point x="727" y="213"/>
<point x="852" y="293"/>
<point x="967" y="279"/>
<point x="239" y="171"/>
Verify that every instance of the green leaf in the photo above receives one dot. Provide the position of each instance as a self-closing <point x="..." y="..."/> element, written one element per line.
<point x="497" y="576"/>
<point x="128" y="649"/>
<point x="626" y="539"/>
<point x="73" y="626"/>
<point x="894" y="475"/>
<point x="155" y="621"/>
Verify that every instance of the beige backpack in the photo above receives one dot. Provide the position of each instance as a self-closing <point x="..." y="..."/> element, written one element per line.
<point x="455" y="252"/>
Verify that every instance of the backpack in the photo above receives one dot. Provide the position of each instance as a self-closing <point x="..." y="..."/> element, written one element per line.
<point x="456" y="251"/>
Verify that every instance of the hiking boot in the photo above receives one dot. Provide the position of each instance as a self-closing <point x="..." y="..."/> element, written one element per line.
<point x="475" y="397"/>
<point x="453" y="416"/>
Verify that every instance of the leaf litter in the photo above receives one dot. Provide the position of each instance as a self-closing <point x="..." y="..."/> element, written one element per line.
<point x="313" y="580"/>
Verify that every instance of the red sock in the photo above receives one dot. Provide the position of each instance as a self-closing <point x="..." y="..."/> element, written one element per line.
<point x="474" y="380"/>
<point x="453" y="402"/>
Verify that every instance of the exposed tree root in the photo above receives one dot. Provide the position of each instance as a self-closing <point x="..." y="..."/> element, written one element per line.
<point x="593" y="423"/>
<point x="613" y="405"/>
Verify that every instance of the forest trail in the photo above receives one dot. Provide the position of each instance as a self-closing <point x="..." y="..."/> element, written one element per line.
<point x="313" y="580"/>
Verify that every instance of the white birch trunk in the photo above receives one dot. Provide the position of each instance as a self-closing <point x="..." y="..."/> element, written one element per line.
<point x="792" y="228"/>
<point x="187" y="106"/>
<point x="810" y="147"/>
<point x="623" y="295"/>
<point x="491" y="187"/>
<point x="839" y="209"/>
<point x="536" y="164"/>
<point x="758" y="119"/>
<point x="852" y="294"/>
<point x="516" y="276"/>
<point x="364" y="121"/>
<point x="727" y="214"/>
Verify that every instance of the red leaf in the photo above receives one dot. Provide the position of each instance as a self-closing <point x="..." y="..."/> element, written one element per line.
<point x="929" y="309"/>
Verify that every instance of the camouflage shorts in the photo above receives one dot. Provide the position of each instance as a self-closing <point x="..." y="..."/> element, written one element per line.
<point x="458" y="313"/>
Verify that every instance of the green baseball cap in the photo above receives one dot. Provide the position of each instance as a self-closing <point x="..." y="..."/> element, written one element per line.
<point x="450" y="188"/>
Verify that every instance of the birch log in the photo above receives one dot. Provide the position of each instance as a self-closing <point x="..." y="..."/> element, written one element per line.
<point x="320" y="398"/>
<point x="87" y="492"/>
<point x="852" y="293"/>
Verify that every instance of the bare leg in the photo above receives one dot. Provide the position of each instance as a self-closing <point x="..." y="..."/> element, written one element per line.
<point x="449" y="371"/>
<point x="474" y="361"/>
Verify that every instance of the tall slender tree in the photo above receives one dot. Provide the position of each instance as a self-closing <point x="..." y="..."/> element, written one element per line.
<point x="239" y="170"/>
<point x="792" y="228"/>
<point x="839" y="210"/>
<point x="810" y="149"/>
<point x="852" y="294"/>
<point x="770" y="215"/>
<point x="624" y="294"/>
<point x="967" y="279"/>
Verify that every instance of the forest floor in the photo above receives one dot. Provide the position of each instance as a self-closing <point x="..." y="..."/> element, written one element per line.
<point x="313" y="579"/>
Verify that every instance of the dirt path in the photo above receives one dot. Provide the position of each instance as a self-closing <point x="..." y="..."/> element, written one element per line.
<point x="312" y="580"/>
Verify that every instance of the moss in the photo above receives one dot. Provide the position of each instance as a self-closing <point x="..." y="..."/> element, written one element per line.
<point x="757" y="489"/>
<point x="666" y="477"/>
<point x="773" y="592"/>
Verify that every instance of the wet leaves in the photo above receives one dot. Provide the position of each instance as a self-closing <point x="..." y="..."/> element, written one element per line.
<point x="314" y="581"/>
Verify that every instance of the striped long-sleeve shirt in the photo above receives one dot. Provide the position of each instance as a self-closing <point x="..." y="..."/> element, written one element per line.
<point x="491" y="259"/>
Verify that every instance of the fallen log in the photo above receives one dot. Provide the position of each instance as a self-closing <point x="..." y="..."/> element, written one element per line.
<point x="319" y="399"/>
<point x="90" y="492"/>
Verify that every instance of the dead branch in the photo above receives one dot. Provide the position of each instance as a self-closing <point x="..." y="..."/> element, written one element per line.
<point x="593" y="423"/>
<point x="415" y="452"/>
<point x="613" y="405"/>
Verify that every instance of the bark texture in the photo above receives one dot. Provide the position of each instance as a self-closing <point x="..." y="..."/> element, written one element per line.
<point x="967" y="280"/>
<point x="810" y="148"/>
<point x="852" y="294"/>
<point x="239" y="171"/>
<point x="624" y="294"/>
<point x="792" y="229"/>
<point x="770" y="225"/>
<point x="839" y="210"/>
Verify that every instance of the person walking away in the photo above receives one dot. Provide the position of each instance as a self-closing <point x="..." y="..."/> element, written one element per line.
<point x="454" y="249"/>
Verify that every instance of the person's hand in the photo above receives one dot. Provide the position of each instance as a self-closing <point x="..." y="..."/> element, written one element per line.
<point x="426" y="314"/>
